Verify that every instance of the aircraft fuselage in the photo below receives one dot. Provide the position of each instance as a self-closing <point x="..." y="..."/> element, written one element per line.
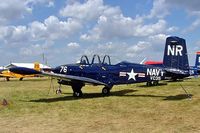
<point x="122" y="73"/>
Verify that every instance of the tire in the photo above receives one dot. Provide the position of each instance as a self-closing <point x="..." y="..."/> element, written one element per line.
<point x="149" y="83"/>
<point x="106" y="91"/>
<point x="58" y="92"/>
<point x="7" y="79"/>
<point x="155" y="83"/>
<point x="77" y="90"/>
<point x="78" y="94"/>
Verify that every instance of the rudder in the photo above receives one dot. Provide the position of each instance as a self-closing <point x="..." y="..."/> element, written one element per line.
<point x="37" y="66"/>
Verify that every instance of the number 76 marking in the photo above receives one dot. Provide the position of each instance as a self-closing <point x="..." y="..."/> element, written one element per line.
<point x="63" y="69"/>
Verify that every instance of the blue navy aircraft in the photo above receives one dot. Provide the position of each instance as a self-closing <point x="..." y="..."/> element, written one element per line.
<point x="97" y="72"/>
<point x="197" y="63"/>
<point x="195" y="70"/>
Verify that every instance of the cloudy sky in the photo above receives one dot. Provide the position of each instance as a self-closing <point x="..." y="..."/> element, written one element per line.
<point x="66" y="29"/>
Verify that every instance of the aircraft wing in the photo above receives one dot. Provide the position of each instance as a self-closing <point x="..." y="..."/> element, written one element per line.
<point x="72" y="78"/>
<point x="176" y="71"/>
<point x="28" y="71"/>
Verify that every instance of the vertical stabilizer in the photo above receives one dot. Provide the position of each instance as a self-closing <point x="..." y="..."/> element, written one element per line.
<point x="175" y="55"/>
<point x="36" y="66"/>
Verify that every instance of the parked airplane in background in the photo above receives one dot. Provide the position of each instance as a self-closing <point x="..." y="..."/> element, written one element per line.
<point x="197" y="64"/>
<point x="175" y="64"/>
<point x="36" y="66"/>
<point x="195" y="70"/>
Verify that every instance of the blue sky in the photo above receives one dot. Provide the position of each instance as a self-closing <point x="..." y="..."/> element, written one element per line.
<point x="66" y="29"/>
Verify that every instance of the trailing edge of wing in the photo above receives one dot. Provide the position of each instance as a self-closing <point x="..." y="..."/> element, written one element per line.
<point x="70" y="78"/>
<point x="175" y="71"/>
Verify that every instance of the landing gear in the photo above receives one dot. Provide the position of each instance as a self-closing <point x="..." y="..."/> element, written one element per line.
<point x="155" y="83"/>
<point x="59" y="91"/>
<point x="7" y="79"/>
<point x="152" y="83"/>
<point x="77" y="90"/>
<point x="78" y="93"/>
<point x="149" y="83"/>
<point x="106" y="91"/>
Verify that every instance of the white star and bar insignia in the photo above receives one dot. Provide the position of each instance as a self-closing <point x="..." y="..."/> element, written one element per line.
<point x="131" y="74"/>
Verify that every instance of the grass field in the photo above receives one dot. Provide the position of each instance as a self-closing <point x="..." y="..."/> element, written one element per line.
<point x="130" y="108"/>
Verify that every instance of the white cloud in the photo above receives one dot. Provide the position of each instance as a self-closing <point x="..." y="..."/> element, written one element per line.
<point x="36" y="49"/>
<point x="31" y="50"/>
<point x="112" y="24"/>
<point x="51" y="29"/>
<point x="160" y="9"/>
<point x="73" y="45"/>
<point x="139" y="48"/>
<point x="118" y="26"/>
<point x="16" y="9"/>
<point x="13" y="9"/>
<point x="13" y="35"/>
<point x="49" y="3"/>
<point x="191" y="7"/>
<point x="195" y="25"/>
<point x="151" y="29"/>
<point x="89" y="10"/>
<point x="159" y="38"/>
<point x="107" y="27"/>
<point x="172" y="29"/>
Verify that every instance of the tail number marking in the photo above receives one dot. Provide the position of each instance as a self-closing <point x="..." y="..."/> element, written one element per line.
<point x="174" y="50"/>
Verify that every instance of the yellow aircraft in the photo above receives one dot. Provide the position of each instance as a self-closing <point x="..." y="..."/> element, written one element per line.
<point x="7" y="74"/>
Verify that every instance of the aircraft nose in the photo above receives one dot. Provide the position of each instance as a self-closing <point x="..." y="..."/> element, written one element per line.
<point x="57" y="69"/>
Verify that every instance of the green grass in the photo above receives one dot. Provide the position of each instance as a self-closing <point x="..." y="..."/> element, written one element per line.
<point x="130" y="108"/>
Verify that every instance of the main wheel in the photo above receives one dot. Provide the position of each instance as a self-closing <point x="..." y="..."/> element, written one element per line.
<point x="106" y="91"/>
<point x="155" y="83"/>
<point x="77" y="90"/>
<point x="149" y="83"/>
<point x="7" y="79"/>
<point x="78" y="93"/>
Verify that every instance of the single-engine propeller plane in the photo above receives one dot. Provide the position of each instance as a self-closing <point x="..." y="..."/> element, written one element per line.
<point x="97" y="72"/>
<point x="8" y="74"/>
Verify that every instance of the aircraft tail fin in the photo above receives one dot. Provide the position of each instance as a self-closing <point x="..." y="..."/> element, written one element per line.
<point x="37" y="66"/>
<point x="197" y="63"/>
<point x="175" y="54"/>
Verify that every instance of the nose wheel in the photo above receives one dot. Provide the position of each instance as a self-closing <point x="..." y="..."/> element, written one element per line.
<point x="106" y="91"/>
<point x="59" y="91"/>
